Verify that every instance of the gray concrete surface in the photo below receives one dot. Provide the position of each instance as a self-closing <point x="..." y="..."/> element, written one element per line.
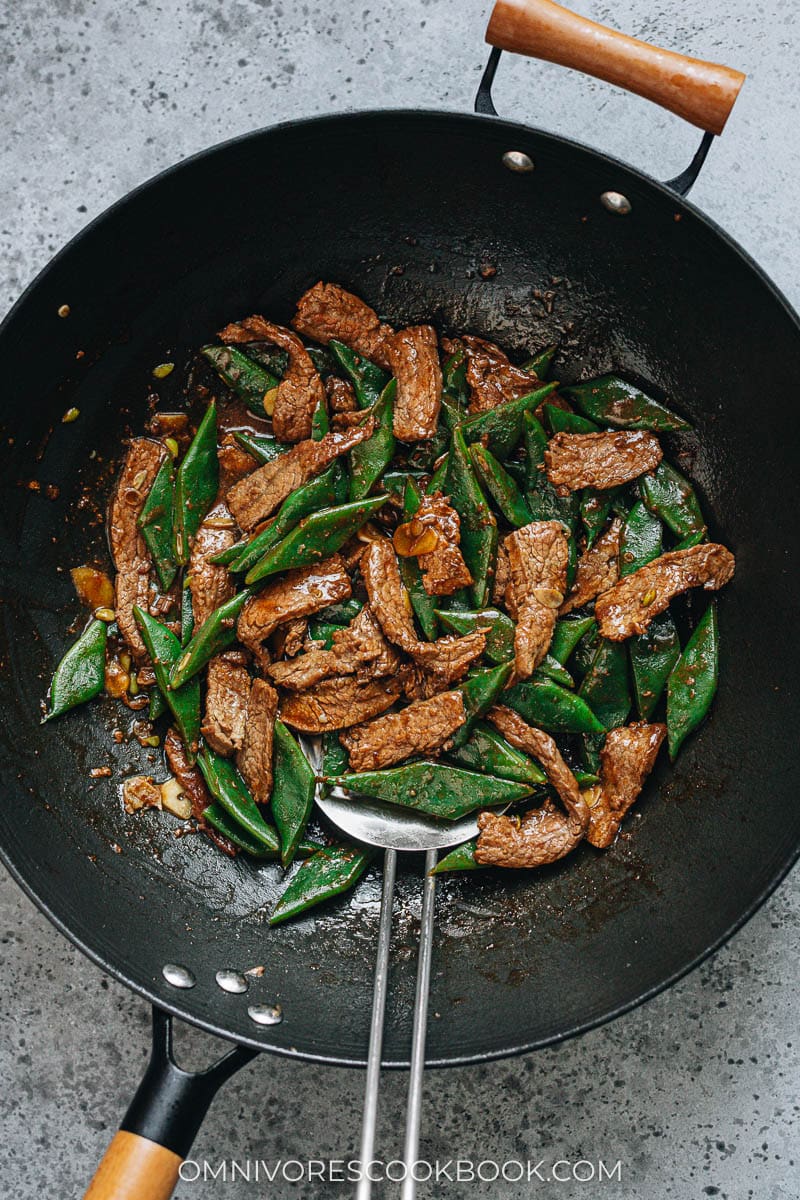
<point x="695" y="1093"/>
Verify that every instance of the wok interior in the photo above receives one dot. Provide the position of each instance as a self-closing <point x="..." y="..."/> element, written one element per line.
<point x="403" y="209"/>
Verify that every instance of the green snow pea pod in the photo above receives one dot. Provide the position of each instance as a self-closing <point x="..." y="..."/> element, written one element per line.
<point x="585" y="651"/>
<point x="605" y="684"/>
<point x="693" y="681"/>
<point x="155" y="523"/>
<point x="462" y="858"/>
<point x="551" y="668"/>
<point x="691" y="539"/>
<point x="329" y="872"/>
<point x="394" y="482"/>
<point x="320" y="421"/>
<point x="490" y="754"/>
<point x="369" y="459"/>
<point x="450" y="415"/>
<point x="614" y="401"/>
<point x="498" y="627"/>
<point x="263" y="447"/>
<point x="654" y="653"/>
<point x="320" y="492"/>
<point x="334" y="755"/>
<point x="323" y="631"/>
<point x="368" y="379"/>
<point x="479" y="692"/>
<point x="454" y="378"/>
<point x="551" y="707"/>
<point x="184" y="703"/>
<point x="640" y="539"/>
<point x="503" y="425"/>
<point x="217" y="632"/>
<point x="274" y="360"/>
<point x="80" y="676"/>
<point x="543" y="502"/>
<point x="539" y="364"/>
<point x="341" y="613"/>
<point x="424" y="606"/>
<point x="559" y="421"/>
<point x="292" y="792"/>
<point x="224" y="558"/>
<point x="247" y="378"/>
<point x="507" y="497"/>
<point x="437" y="480"/>
<point x="435" y="788"/>
<point x="230" y="790"/>
<point x="568" y="632"/>
<point x="595" y="509"/>
<point x="157" y="706"/>
<point x="323" y="360"/>
<point x="196" y="484"/>
<point x="224" y="823"/>
<point x="316" y="537"/>
<point x="671" y="497"/>
<point x="478" y="526"/>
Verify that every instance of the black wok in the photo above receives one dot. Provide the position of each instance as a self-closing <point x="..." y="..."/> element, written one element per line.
<point x="403" y="207"/>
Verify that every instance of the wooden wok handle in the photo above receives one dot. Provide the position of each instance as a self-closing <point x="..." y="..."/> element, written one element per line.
<point x="701" y="92"/>
<point x="134" y="1168"/>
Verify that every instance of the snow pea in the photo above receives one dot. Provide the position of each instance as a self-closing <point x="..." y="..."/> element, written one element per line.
<point x="551" y="707"/>
<point x="334" y="755"/>
<point x="435" y="788"/>
<point x="248" y="379"/>
<point x="230" y="790"/>
<point x="368" y="379"/>
<point x="454" y="379"/>
<point x="184" y="702"/>
<point x="329" y="872"/>
<point x="501" y="427"/>
<point x="585" y="651"/>
<point x="224" y="823"/>
<point x="566" y="635"/>
<point x="498" y="627"/>
<point x="341" y="613"/>
<point x="614" y="401"/>
<point x="320" y="421"/>
<point x="323" y="360"/>
<point x="217" y="633"/>
<point x="155" y="523"/>
<point x="489" y="753"/>
<point x="80" y="676"/>
<point x="672" y="498"/>
<point x="462" y="858"/>
<point x="196" y="484"/>
<point x="328" y="488"/>
<point x="551" y="668"/>
<point x="654" y="653"/>
<point x="605" y="684"/>
<point x="595" y="509"/>
<point x="394" y="482"/>
<point x="693" y="681"/>
<point x="316" y="537"/>
<point x="640" y="539"/>
<point x="437" y="479"/>
<point x="507" y="497"/>
<point x="691" y="539"/>
<point x="369" y="459"/>
<point x="479" y="692"/>
<point x="543" y="502"/>
<point x="539" y="364"/>
<point x="478" y="526"/>
<point x="266" y="355"/>
<point x="263" y="447"/>
<point x="157" y="706"/>
<point x="424" y="606"/>
<point x="292" y="792"/>
<point x="559" y="421"/>
<point x="323" y="631"/>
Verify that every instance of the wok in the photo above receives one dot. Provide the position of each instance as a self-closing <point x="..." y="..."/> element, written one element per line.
<point x="404" y="208"/>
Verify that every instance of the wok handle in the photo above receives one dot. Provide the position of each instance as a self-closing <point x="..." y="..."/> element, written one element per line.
<point x="145" y="1155"/>
<point x="703" y="93"/>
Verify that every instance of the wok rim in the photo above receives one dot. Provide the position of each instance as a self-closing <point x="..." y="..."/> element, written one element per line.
<point x="296" y="124"/>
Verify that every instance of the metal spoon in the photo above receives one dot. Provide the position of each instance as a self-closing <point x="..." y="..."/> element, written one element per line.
<point x="395" y="829"/>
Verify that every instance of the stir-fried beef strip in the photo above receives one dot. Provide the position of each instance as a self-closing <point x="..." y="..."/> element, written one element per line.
<point x="299" y="391"/>
<point x="209" y="583"/>
<point x="341" y="395"/>
<point x="131" y="557"/>
<point x="627" y="758"/>
<point x="290" y="638"/>
<point x="254" y="759"/>
<point x="598" y="569"/>
<point x="434" y="535"/>
<point x="537" y="559"/>
<point x="414" y="361"/>
<point x="360" y="649"/>
<point x="339" y="702"/>
<point x="421" y="728"/>
<point x="437" y="665"/>
<point x="502" y="574"/>
<point x="540" y="837"/>
<point x="298" y="593"/>
<point x="600" y="460"/>
<point x="234" y="464"/>
<point x="326" y="311"/>
<point x="227" y="693"/>
<point x="535" y="741"/>
<point x="492" y="378"/>
<point x="193" y="784"/>
<point x="629" y="606"/>
<point x="257" y="496"/>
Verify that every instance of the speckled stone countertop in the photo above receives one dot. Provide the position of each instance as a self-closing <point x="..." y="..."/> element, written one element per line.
<point x="696" y="1092"/>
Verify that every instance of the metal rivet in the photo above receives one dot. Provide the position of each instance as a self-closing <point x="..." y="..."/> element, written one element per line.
<point x="615" y="202"/>
<point x="179" y="977"/>
<point x="517" y="160"/>
<point x="265" y="1014"/>
<point x="231" y="981"/>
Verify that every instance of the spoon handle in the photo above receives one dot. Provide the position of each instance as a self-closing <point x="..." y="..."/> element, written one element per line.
<point x="367" y="1150"/>
<point x="414" y="1109"/>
